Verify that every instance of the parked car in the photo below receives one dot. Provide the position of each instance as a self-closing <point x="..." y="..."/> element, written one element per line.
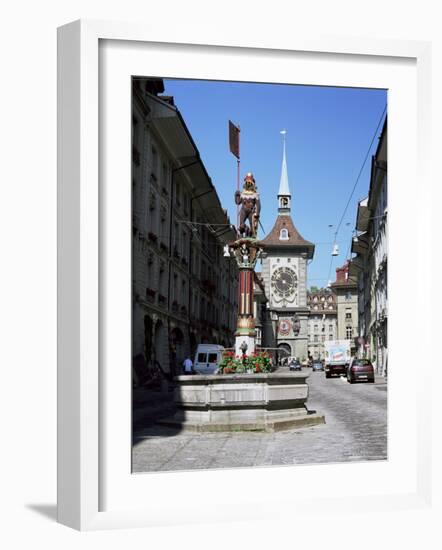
<point x="294" y="364"/>
<point x="361" y="370"/>
<point x="317" y="365"/>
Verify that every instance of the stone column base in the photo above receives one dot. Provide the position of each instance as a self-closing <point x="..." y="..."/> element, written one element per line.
<point x="249" y="340"/>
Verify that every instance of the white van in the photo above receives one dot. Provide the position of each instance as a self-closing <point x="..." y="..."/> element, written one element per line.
<point x="207" y="358"/>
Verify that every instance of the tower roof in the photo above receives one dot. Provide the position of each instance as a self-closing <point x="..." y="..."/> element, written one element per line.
<point x="284" y="181"/>
<point x="294" y="239"/>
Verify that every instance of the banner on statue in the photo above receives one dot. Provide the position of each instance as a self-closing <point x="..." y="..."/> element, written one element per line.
<point x="234" y="139"/>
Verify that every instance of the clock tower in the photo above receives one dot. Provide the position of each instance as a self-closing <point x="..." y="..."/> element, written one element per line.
<point x="284" y="272"/>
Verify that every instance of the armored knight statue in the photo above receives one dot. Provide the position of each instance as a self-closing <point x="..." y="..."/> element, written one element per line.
<point x="250" y="207"/>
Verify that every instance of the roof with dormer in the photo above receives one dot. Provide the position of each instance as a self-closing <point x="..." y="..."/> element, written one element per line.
<point x="295" y="239"/>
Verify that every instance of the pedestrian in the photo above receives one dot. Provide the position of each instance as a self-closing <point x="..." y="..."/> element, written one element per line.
<point x="188" y="365"/>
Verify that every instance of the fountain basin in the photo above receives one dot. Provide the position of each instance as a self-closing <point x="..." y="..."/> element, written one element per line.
<point x="237" y="402"/>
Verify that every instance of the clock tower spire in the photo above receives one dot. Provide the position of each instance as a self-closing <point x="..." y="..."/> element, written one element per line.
<point x="284" y="195"/>
<point x="284" y="273"/>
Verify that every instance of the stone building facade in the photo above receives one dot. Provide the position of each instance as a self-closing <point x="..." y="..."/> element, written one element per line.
<point x="346" y="290"/>
<point x="369" y="266"/>
<point x="184" y="290"/>
<point x="284" y="274"/>
<point x="322" y="323"/>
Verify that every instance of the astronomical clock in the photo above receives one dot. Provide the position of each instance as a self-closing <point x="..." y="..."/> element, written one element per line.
<point x="284" y="285"/>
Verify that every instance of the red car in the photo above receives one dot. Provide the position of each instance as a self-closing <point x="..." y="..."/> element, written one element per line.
<point x="361" y="370"/>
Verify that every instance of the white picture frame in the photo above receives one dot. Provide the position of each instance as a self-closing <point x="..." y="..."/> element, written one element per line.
<point x="82" y="449"/>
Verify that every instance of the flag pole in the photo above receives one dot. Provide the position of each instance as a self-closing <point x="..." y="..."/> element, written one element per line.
<point x="238" y="177"/>
<point x="234" y="140"/>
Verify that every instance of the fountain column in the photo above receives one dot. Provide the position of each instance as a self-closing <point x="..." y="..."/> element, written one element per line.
<point x="246" y="252"/>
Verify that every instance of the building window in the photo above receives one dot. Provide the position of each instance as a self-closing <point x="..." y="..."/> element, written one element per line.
<point x="175" y="287"/>
<point x="184" y="245"/>
<point x="135" y="131"/>
<point x="177" y="238"/>
<point x="152" y="201"/>
<point x="348" y="315"/>
<point x="186" y="200"/>
<point x="349" y="332"/>
<point x="165" y="178"/>
<point x="348" y="295"/>
<point x="330" y="336"/>
<point x="150" y="270"/>
<point x="315" y="339"/>
<point x="161" y="279"/>
<point x="154" y="158"/>
<point x="316" y="328"/>
<point x="183" y="292"/>
<point x="178" y="194"/>
<point x="283" y="235"/>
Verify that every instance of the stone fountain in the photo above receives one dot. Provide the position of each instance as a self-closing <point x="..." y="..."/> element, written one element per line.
<point x="248" y="401"/>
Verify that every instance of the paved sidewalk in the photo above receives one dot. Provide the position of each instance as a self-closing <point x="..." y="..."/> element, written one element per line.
<point x="149" y="405"/>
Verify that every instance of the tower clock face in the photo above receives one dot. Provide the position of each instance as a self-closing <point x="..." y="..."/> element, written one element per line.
<point x="284" y="282"/>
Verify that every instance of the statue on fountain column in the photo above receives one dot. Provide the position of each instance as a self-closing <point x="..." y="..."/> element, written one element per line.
<point x="250" y="203"/>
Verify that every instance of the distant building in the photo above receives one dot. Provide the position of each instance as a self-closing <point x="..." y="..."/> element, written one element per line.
<point x="322" y="322"/>
<point x="184" y="290"/>
<point x="346" y="290"/>
<point x="370" y="263"/>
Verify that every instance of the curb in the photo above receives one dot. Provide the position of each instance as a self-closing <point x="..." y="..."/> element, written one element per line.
<point x="268" y="427"/>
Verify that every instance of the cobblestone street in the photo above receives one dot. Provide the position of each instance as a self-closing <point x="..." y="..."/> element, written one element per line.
<point x="355" y="430"/>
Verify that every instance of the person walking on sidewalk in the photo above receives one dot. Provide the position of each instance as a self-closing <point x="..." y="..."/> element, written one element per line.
<point x="188" y="365"/>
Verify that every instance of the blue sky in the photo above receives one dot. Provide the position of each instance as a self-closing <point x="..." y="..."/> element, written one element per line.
<point x="329" y="131"/>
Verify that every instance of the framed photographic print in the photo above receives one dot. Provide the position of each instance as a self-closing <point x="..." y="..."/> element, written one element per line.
<point x="228" y="325"/>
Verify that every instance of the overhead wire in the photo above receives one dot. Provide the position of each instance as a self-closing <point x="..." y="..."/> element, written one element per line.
<point x="355" y="184"/>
